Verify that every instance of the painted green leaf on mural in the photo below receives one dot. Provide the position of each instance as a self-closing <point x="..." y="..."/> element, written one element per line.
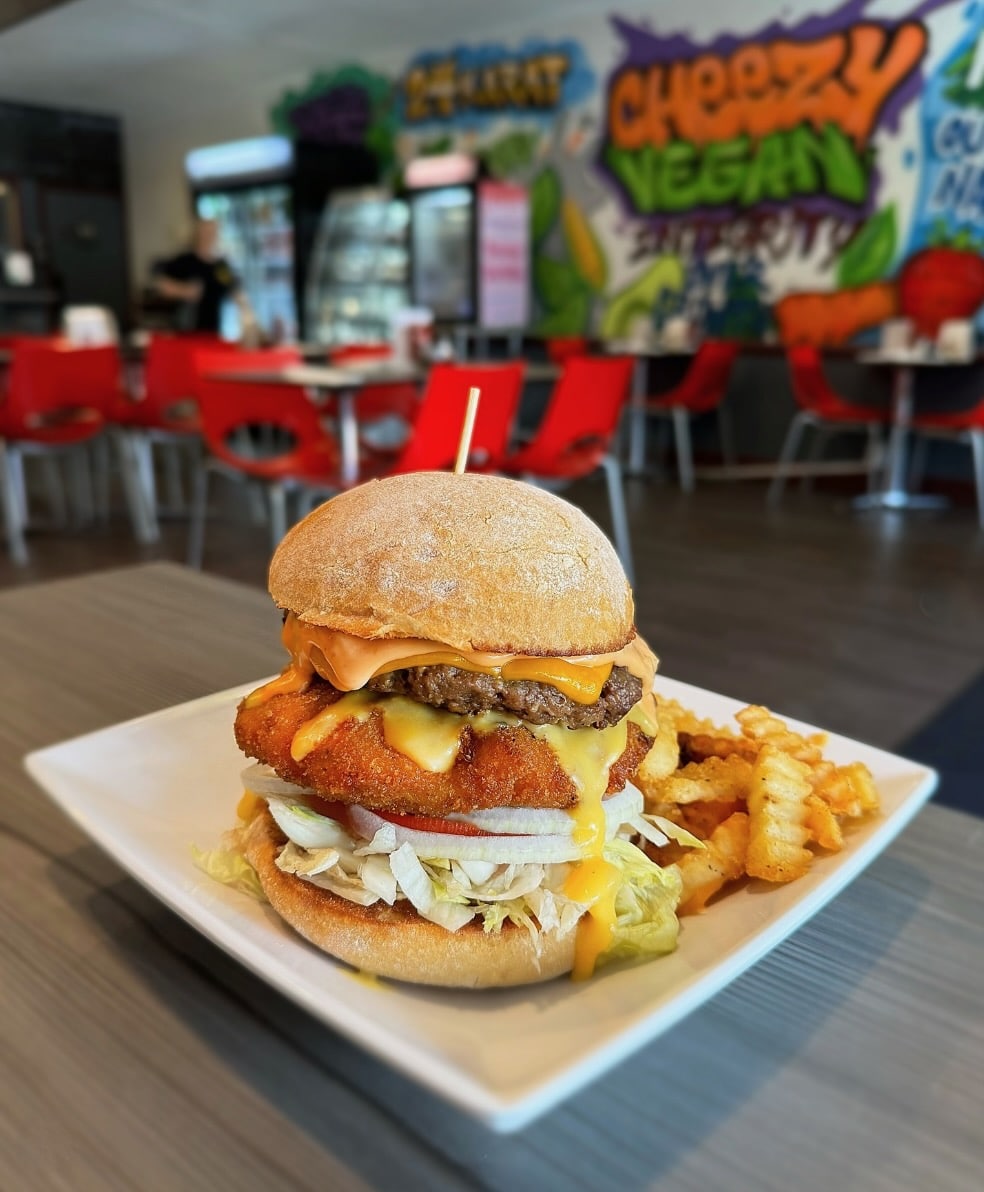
<point x="555" y="282"/>
<point x="511" y="154"/>
<point x="545" y="198"/>
<point x="639" y="298"/>
<point x="958" y="91"/>
<point x="573" y="318"/>
<point x="586" y="253"/>
<point x="870" y="253"/>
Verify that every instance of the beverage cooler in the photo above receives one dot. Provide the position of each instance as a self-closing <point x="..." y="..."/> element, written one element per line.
<point x="268" y="194"/>
<point x="358" y="276"/>
<point x="469" y="244"/>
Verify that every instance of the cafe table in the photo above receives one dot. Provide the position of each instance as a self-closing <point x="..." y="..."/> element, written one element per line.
<point x="136" y="1054"/>
<point x="902" y="363"/>
<point x="324" y="382"/>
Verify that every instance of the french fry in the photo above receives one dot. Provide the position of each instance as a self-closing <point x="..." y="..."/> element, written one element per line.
<point x="716" y="779"/>
<point x="847" y="790"/>
<point x="698" y="747"/>
<point x="683" y="719"/>
<point x="778" y="813"/>
<point x="702" y="819"/>
<point x="823" y="825"/>
<point x="760" y="725"/>
<point x="703" y="872"/>
<point x="663" y="756"/>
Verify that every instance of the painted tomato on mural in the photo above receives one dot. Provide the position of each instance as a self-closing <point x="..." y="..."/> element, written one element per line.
<point x="939" y="284"/>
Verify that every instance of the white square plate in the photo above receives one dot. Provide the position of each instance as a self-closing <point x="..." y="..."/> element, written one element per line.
<point x="145" y="790"/>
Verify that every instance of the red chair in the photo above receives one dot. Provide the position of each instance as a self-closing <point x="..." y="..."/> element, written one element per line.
<point x="576" y="435"/>
<point x="164" y="413"/>
<point x="957" y="426"/>
<point x="826" y="412"/>
<point x="267" y="434"/>
<point x="386" y="412"/>
<point x="57" y="402"/>
<point x="561" y="348"/>
<point x="703" y="389"/>
<point x="433" y="443"/>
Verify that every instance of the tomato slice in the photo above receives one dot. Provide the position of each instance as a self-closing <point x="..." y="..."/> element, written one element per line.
<point x="432" y="823"/>
<point x="329" y="807"/>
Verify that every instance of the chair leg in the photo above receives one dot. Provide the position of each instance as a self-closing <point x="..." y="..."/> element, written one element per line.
<point x="620" y="522"/>
<point x="278" y="513"/>
<point x="143" y="455"/>
<point x="139" y="502"/>
<point x="54" y="490"/>
<point x="10" y="500"/>
<point x="977" y="447"/>
<point x="789" y="451"/>
<point x="199" y="512"/>
<point x="726" y="435"/>
<point x="684" y="452"/>
<point x="17" y="486"/>
<point x="814" y="454"/>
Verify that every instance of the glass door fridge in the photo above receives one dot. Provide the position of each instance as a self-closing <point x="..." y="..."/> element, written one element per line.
<point x="357" y="278"/>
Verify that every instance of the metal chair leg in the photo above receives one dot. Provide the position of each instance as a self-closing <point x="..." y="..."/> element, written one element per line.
<point x="54" y="490"/>
<point x="100" y="477"/>
<point x="199" y="512"/>
<point x="790" y="448"/>
<point x="10" y="500"/>
<point x="874" y="457"/>
<point x="684" y="452"/>
<point x="142" y="510"/>
<point x="620" y="522"/>
<point x="977" y="448"/>
<point x="17" y="485"/>
<point x="278" y="513"/>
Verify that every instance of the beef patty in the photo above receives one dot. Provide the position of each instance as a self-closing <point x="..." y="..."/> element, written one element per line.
<point x="468" y="693"/>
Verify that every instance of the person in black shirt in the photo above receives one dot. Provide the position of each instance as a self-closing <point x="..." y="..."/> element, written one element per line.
<point x="200" y="278"/>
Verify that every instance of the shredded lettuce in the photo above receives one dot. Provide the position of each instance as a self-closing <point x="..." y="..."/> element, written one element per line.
<point x="645" y="906"/>
<point x="228" y="865"/>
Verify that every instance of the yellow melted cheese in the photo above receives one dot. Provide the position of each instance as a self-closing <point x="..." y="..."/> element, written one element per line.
<point x="349" y="662"/>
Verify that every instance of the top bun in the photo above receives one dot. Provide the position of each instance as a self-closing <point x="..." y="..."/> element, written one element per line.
<point x="477" y="562"/>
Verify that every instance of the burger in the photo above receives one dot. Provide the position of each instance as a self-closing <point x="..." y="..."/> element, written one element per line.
<point x="441" y="791"/>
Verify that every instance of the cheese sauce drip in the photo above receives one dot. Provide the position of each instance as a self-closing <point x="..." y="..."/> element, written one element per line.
<point x="349" y="662"/>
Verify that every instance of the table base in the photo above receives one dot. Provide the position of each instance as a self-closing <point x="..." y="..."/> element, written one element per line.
<point x="899" y="500"/>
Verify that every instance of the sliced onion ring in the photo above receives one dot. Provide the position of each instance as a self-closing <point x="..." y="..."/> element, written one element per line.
<point x="503" y="850"/>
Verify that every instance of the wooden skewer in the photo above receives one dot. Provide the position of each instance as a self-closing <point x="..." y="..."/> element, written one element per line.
<point x="464" y="443"/>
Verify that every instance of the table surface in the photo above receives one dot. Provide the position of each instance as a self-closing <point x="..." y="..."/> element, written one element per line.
<point x="908" y="358"/>
<point x="135" y="1054"/>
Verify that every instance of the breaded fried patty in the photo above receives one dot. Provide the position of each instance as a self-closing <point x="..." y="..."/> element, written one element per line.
<point x="503" y="768"/>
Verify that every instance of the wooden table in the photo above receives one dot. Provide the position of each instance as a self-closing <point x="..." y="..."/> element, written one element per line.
<point x="135" y="1055"/>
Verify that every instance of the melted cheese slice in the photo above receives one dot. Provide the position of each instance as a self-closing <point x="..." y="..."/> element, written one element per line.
<point x="349" y="662"/>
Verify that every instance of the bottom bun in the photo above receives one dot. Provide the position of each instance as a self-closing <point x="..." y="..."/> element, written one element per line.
<point x="394" y="941"/>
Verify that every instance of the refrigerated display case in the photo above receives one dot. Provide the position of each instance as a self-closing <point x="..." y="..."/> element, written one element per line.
<point x="256" y="236"/>
<point x="268" y="194"/>
<point x="469" y="245"/>
<point x="358" y="274"/>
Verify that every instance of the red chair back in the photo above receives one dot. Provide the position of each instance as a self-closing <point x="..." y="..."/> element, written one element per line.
<point x="57" y="393"/>
<point x="230" y="406"/>
<point x="581" y="419"/>
<point x="562" y="348"/>
<point x="705" y="385"/>
<point x="170" y="378"/>
<point x="354" y="353"/>
<point x="433" y="444"/>
<point x="810" y="387"/>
